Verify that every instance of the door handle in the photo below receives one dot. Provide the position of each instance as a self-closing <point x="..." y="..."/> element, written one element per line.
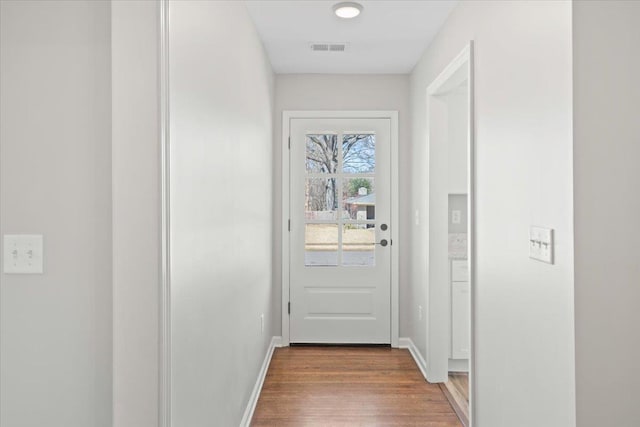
<point x="383" y="242"/>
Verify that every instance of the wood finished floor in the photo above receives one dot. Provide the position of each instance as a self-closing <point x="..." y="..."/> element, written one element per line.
<point x="457" y="391"/>
<point x="349" y="386"/>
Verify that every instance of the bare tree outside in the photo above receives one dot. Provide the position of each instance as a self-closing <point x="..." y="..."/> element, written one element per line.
<point x="358" y="152"/>
<point x="322" y="157"/>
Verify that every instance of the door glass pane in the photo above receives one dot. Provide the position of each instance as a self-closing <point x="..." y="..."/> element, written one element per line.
<point x="359" y="199"/>
<point x="358" y="245"/>
<point x="321" y="198"/>
<point x="322" y="153"/>
<point x="321" y="245"/>
<point x="359" y="153"/>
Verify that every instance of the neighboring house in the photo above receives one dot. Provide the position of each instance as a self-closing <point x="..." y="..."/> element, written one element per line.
<point x="361" y="207"/>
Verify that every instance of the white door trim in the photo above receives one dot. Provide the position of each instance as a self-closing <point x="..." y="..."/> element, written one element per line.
<point x="164" y="339"/>
<point x="287" y="116"/>
<point x="436" y="372"/>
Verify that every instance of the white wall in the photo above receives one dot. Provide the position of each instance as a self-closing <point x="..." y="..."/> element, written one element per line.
<point x="342" y="92"/>
<point x="136" y="212"/>
<point x="55" y="179"/>
<point x="607" y="202"/>
<point x="524" y="309"/>
<point x="221" y="88"/>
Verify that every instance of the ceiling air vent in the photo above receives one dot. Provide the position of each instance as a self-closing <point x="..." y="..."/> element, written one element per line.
<point x="328" y="47"/>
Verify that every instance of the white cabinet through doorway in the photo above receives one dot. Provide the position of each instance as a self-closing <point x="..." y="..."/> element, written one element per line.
<point x="460" y="309"/>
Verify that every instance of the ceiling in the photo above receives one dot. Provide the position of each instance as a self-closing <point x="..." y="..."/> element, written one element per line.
<point x="387" y="37"/>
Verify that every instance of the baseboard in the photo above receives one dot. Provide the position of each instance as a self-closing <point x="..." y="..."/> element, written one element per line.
<point x="255" y="394"/>
<point x="408" y="344"/>
<point x="276" y="342"/>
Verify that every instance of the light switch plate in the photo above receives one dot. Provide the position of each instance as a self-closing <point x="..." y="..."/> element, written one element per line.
<point x="541" y="244"/>
<point x="23" y="254"/>
<point x="455" y="217"/>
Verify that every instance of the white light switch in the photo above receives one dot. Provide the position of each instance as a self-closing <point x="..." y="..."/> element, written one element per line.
<point x="23" y="254"/>
<point x="455" y="217"/>
<point x="541" y="244"/>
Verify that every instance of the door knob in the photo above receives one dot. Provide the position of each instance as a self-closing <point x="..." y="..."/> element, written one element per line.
<point x="383" y="227"/>
<point x="383" y="242"/>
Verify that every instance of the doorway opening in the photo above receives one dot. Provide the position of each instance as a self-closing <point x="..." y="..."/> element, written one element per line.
<point x="450" y="233"/>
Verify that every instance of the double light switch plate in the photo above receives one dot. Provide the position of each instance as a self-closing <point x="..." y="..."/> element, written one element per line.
<point x="23" y="254"/>
<point x="541" y="244"/>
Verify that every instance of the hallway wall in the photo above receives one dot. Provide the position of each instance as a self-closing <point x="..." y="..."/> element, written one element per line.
<point x="222" y="92"/>
<point x="524" y="326"/>
<point x="343" y="92"/>
<point x="55" y="179"/>
<point x="607" y="205"/>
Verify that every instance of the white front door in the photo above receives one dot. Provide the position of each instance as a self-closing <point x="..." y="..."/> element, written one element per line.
<point x="340" y="238"/>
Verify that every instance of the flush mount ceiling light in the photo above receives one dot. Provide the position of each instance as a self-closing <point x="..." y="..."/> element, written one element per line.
<point x="347" y="10"/>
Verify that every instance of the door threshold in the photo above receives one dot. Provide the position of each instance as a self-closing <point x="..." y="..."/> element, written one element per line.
<point x="311" y="344"/>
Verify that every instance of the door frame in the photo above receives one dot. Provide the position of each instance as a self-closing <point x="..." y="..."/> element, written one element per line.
<point x="436" y="348"/>
<point x="164" y="300"/>
<point x="287" y="116"/>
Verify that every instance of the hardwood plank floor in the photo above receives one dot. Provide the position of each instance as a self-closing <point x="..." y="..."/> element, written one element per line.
<point x="349" y="386"/>
<point x="456" y="389"/>
<point x="460" y="381"/>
